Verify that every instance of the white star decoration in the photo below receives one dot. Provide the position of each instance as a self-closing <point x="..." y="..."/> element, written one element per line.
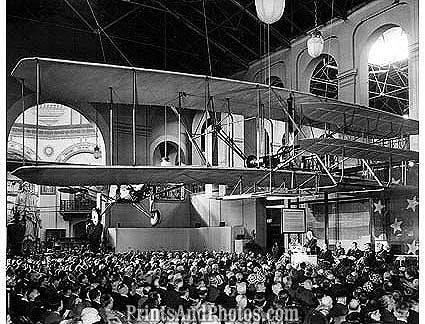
<point x="396" y="182"/>
<point x="413" y="247"/>
<point x="412" y="203"/>
<point x="396" y="226"/>
<point x="378" y="207"/>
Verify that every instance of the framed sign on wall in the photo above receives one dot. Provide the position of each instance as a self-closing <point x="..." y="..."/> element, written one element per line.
<point x="293" y="220"/>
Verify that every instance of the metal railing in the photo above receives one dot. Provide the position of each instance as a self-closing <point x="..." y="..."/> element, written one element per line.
<point x="75" y="205"/>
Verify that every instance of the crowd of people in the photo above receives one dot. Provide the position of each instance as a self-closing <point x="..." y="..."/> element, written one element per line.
<point x="348" y="287"/>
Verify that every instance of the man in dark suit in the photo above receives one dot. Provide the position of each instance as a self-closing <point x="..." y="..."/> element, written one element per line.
<point x="54" y="317"/>
<point x="94" y="295"/>
<point x="339" y="250"/>
<point x="354" y="252"/>
<point x="311" y="243"/>
<point x="326" y="255"/>
<point x="121" y="301"/>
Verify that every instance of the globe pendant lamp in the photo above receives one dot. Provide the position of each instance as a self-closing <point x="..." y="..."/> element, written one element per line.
<point x="269" y="11"/>
<point x="315" y="44"/>
<point x="316" y="41"/>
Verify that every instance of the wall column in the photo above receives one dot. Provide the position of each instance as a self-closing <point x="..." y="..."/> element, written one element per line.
<point x="413" y="90"/>
<point x="346" y="88"/>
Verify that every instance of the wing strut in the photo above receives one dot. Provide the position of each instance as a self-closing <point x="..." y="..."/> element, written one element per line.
<point x="189" y="135"/>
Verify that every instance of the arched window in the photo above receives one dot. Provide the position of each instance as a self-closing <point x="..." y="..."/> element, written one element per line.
<point x="275" y="81"/>
<point x="172" y="149"/>
<point x="324" y="80"/>
<point x="60" y="129"/>
<point x="266" y="143"/>
<point x="388" y="72"/>
<point x="204" y="133"/>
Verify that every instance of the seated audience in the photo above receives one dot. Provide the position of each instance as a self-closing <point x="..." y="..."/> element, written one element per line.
<point x="82" y="287"/>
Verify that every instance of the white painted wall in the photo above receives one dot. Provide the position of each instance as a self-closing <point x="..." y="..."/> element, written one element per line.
<point x="171" y="239"/>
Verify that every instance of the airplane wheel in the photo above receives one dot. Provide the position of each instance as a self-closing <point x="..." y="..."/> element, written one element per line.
<point x="155" y="217"/>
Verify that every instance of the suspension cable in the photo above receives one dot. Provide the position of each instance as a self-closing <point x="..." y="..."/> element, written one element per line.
<point x="206" y="37"/>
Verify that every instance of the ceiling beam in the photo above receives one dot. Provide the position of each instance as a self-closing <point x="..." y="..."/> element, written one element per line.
<point x="337" y="9"/>
<point x="273" y="30"/>
<point x="229" y="35"/>
<point x="240" y="26"/>
<point x="201" y="33"/>
<point x="288" y="18"/>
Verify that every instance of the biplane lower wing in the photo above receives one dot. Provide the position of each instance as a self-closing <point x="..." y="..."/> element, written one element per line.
<point x="357" y="150"/>
<point x="78" y="175"/>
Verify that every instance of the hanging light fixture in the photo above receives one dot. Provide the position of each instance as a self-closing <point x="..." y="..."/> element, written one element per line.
<point x="315" y="42"/>
<point x="269" y="11"/>
<point x="165" y="160"/>
<point x="97" y="154"/>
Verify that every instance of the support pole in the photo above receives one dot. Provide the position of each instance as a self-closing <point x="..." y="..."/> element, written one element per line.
<point x="271" y="153"/>
<point x="180" y="129"/>
<point x="191" y="139"/>
<point x="37" y="67"/>
<point x="165" y="132"/>
<point x="230" y="134"/>
<point x="111" y="127"/>
<point x="23" y="120"/>
<point x="291" y="131"/>
<point x="326" y="216"/>
<point x="134" y="115"/>
<point x="258" y="125"/>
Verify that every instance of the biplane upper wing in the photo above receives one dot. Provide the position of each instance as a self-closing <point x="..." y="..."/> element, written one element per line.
<point x="357" y="150"/>
<point x="80" y="175"/>
<point x="70" y="81"/>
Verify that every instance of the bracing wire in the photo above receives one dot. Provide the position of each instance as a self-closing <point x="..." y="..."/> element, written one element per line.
<point x="101" y="46"/>
<point x="100" y="29"/>
<point x="206" y="37"/>
<point x="165" y="40"/>
<point x="327" y="60"/>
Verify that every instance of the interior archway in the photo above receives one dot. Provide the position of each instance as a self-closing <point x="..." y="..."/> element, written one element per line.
<point x="171" y="152"/>
<point x="275" y="81"/>
<point x="60" y="129"/>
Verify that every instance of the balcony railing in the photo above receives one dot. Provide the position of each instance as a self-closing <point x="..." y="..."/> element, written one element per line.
<point x="78" y="206"/>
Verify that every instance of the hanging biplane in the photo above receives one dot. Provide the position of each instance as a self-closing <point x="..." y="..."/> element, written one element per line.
<point x="302" y="166"/>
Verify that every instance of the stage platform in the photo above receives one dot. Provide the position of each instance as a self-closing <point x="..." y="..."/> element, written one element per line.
<point x="171" y="239"/>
